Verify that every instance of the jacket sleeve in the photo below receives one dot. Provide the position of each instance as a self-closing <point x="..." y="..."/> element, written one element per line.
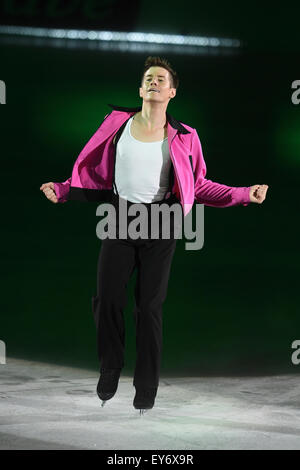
<point x="62" y="190"/>
<point x="209" y="192"/>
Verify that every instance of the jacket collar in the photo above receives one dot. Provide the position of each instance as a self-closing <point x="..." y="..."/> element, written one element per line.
<point x="172" y="121"/>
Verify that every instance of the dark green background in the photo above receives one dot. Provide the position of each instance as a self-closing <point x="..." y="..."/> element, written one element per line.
<point x="232" y="307"/>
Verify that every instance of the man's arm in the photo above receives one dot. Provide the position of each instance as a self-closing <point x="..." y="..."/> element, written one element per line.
<point x="209" y="192"/>
<point x="58" y="192"/>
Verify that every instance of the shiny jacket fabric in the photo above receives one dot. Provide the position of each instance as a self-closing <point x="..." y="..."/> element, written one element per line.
<point x="93" y="172"/>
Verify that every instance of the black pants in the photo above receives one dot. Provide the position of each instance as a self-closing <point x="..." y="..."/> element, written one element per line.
<point x="118" y="259"/>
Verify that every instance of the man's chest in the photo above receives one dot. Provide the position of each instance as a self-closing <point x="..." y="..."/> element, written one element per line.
<point x="139" y="133"/>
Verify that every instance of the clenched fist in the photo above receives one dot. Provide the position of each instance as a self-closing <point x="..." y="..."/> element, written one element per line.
<point x="258" y="193"/>
<point x="48" y="190"/>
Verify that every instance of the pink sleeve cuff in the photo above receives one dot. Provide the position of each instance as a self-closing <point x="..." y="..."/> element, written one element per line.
<point x="62" y="190"/>
<point x="241" y="196"/>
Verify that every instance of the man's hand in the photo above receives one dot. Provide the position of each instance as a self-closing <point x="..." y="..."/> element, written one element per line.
<point x="48" y="190"/>
<point x="258" y="193"/>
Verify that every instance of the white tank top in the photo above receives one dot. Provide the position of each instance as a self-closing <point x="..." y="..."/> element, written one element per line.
<point x="142" y="168"/>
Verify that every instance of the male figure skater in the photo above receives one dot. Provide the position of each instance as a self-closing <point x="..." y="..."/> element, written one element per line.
<point x="141" y="155"/>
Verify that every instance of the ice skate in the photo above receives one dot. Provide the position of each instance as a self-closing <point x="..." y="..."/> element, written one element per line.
<point x="144" y="399"/>
<point x="108" y="384"/>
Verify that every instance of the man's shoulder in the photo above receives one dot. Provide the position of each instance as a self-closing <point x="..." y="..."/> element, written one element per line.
<point x="186" y="126"/>
<point x="117" y="116"/>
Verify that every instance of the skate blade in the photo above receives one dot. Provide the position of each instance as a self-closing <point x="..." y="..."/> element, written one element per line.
<point x="142" y="412"/>
<point x="103" y="403"/>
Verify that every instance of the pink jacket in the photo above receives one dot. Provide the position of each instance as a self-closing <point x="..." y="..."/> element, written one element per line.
<point x="93" y="171"/>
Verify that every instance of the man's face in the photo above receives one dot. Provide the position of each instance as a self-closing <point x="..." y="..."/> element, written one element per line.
<point x="157" y="78"/>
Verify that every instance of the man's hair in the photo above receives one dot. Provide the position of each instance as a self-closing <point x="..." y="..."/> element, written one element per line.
<point x="160" y="62"/>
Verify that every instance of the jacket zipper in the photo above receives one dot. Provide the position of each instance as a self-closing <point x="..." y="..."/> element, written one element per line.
<point x="191" y="162"/>
<point x="179" y="183"/>
<point x="117" y="135"/>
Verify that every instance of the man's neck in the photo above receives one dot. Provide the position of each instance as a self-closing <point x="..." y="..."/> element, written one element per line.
<point x="152" y="117"/>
